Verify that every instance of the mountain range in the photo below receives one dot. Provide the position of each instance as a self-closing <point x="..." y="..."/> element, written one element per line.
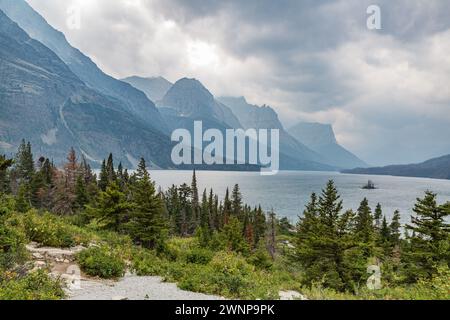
<point x="436" y="168"/>
<point x="56" y="97"/>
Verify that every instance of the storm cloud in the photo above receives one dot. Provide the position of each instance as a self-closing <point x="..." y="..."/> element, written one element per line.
<point x="387" y="92"/>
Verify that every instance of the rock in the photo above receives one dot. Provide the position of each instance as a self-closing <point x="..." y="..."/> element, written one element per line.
<point x="66" y="261"/>
<point x="38" y="256"/>
<point x="291" y="295"/>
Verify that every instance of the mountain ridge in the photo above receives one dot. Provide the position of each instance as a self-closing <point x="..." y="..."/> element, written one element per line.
<point x="435" y="168"/>
<point x="132" y="99"/>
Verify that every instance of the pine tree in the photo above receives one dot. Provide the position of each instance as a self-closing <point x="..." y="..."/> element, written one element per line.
<point x="378" y="216"/>
<point x="394" y="228"/>
<point x="272" y="244"/>
<point x="260" y="226"/>
<point x="23" y="203"/>
<point x="147" y="224"/>
<point x="430" y="240"/>
<point x="173" y="206"/>
<point x="385" y="232"/>
<point x="111" y="174"/>
<point x="24" y="164"/>
<point x="226" y="210"/>
<point x="195" y="203"/>
<point x="364" y="229"/>
<point x="81" y="194"/>
<point x="111" y="208"/>
<point x="326" y="245"/>
<point x="103" y="182"/>
<point x="5" y="164"/>
<point x="233" y="237"/>
<point x="236" y="202"/>
<point x="185" y="210"/>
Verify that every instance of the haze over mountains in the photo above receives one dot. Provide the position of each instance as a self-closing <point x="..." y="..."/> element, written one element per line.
<point x="56" y="97"/>
<point x="43" y="101"/>
<point x="155" y="88"/>
<point x="437" y="168"/>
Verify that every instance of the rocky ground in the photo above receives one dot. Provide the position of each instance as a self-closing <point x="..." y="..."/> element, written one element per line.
<point x="61" y="263"/>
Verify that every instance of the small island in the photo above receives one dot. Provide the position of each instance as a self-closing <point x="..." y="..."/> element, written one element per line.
<point x="369" y="186"/>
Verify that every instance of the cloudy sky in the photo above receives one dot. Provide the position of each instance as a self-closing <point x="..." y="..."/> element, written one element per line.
<point x="386" y="92"/>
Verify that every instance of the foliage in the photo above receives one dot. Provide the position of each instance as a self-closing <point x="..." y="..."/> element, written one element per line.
<point x="49" y="230"/>
<point x="102" y="262"/>
<point x="35" y="285"/>
<point x="12" y="245"/>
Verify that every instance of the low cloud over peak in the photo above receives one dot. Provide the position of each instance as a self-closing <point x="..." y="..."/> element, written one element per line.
<point x="385" y="91"/>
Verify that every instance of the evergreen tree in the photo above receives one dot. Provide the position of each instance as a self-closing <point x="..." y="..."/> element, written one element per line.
<point x="5" y="164"/>
<point x="226" y="210"/>
<point x="326" y="245"/>
<point x="272" y="244"/>
<point x="23" y="203"/>
<point x="430" y="240"/>
<point x="394" y="229"/>
<point x="147" y="224"/>
<point x="232" y="236"/>
<point x="195" y="203"/>
<point x="111" y="208"/>
<point x="81" y="194"/>
<point x="185" y="204"/>
<point x="378" y="216"/>
<point x="111" y="174"/>
<point x="260" y="226"/>
<point x="24" y="164"/>
<point x="103" y="182"/>
<point x="236" y="202"/>
<point x="364" y="229"/>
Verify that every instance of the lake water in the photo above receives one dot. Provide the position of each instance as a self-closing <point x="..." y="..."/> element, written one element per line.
<point x="289" y="191"/>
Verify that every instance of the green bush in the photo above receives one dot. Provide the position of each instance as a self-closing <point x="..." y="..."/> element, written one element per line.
<point x="199" y="256"/>
<point x="50" y="230"/>
<point x="261" y="258"/>
<point x="7" y="204"/>
<point x="34" y="286"/>
<point x="146" y="263"/>
<point x="101" y="262"/>
<point x="12" y="245"/>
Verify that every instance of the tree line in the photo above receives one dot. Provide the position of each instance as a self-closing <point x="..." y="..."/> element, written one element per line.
<point x="332" y="246"/>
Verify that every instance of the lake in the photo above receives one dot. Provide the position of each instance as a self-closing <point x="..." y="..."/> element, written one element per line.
<point x="289" y="191"/>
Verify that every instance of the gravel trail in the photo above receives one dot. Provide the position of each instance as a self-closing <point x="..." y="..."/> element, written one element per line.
<point x="133" y="287"/>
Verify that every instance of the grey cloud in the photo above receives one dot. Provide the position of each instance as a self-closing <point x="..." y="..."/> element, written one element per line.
<point x="386" y="91"/>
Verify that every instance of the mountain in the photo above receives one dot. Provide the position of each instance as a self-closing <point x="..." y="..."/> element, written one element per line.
<point x="437" y="168"/>
<point x="35" y="25"/>
<point x="155" y="88"/>
<point x="293" y="154"/>
<point x="43" y="101"/>
<point x="321" y="138"/>
<point x="190" y="99"/>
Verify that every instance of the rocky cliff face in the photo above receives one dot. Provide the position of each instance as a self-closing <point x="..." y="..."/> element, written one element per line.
<point x="190" y="99"/>
<point x="321" y="138"/>
<point x="293" y="154"/>
<point x="43" y="101"/>
<point x="131" y="99"/>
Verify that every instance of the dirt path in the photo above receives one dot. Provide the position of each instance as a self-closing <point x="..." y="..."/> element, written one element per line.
<point x="133" y="287"/>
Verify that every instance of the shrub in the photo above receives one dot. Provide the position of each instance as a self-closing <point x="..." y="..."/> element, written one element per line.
<point x="101" y="262"/>
<point x="7" y="204"/>
<point x="33" y="286"/>
<point x="50" y="230"/>
<point x="261" y="258"/>
<point x="199" y="256"/>
<point x="12" y="245"/>
<point x="146" y="263"/>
